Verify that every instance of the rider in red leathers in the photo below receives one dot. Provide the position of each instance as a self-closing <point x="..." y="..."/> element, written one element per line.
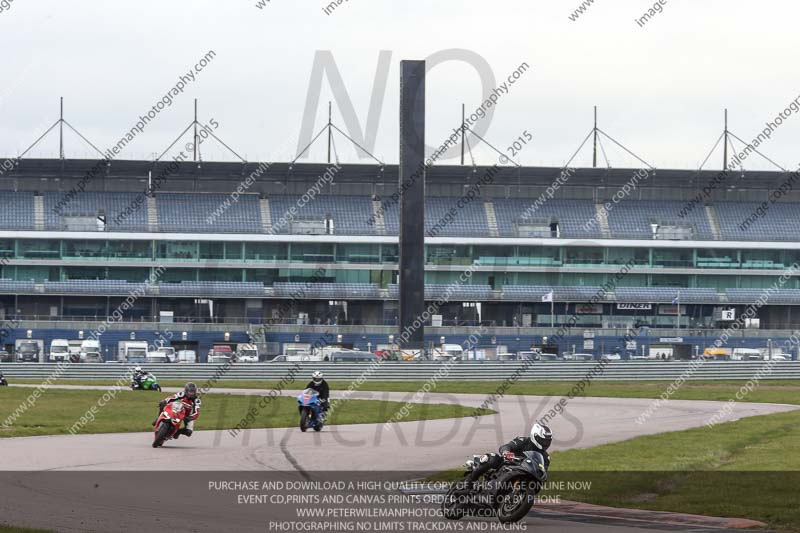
<point x="190" y="398"/>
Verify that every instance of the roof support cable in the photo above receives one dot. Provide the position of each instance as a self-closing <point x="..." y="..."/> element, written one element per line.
<point x="503" y="157"/>
<point x="603" y="151"/>
<point x="610" y="138"/>
<point x="747" y="145"/>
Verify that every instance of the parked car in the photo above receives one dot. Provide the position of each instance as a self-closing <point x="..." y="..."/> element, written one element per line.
<point x="611" y="357"/>
<point x="5" y="357"/>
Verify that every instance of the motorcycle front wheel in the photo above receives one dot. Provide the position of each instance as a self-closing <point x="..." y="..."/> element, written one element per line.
<point x="453" y="505"/>
<point x="305" y="414"/>
<point x="161" y="434"/>
<point x="516" y="497"/>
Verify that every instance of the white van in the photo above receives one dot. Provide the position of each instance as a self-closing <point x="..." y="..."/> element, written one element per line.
<point x="187" y="356"/>
<point x="90" y="351"/>
<point x="59" y="350"/>
<point x="747" y="354"/>
<point x="448" y="352"/>
<point x="247" y="353"/>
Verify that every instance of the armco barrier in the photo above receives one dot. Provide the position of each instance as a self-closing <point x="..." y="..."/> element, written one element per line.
<point x="420" y="371"/>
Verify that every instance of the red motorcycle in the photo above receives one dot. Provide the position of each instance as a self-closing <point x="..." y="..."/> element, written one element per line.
<point x="169" y="422"/>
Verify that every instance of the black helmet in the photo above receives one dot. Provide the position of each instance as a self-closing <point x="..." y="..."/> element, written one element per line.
<point x="190" y="390"/>
<point x="542" y="436"/>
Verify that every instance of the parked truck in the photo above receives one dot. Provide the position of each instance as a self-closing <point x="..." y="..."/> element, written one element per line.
<point x="132" y="351"/>
<point x="90" y="351"/>
<point x="247" y="353"/>
<point x="164" y="354"/>
<point x="29" y="350"/>
<point x="59" y="350"/>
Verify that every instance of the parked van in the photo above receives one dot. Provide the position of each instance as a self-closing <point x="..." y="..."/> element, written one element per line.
<point x="90" y="351"/>
<point x="220" y="353"/>
<point x="28" y="350"/>
<point x="59" y="350"/>
<point x="132" y="351"/>
<point x="187" y="356"/>
<point x="247" y="353"/>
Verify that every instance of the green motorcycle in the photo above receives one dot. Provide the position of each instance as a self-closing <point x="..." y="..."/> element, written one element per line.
<point x="149" y="382"/>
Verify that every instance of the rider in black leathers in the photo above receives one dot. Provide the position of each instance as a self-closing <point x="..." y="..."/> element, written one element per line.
<point x="539" y="441"/>
<point x="318" y="384"/>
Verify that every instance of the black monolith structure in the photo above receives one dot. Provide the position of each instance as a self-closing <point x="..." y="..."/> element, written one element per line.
<point x="412" y="204"/>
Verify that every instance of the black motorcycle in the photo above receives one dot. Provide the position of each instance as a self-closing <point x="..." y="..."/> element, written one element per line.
<point x="507" y="492"/>
<point x="3" y="382"/>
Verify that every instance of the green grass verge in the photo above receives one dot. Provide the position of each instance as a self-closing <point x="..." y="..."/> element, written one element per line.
<point x="57" y="410"/>
<point x="772" y="391"/>
<point x="12" y="529"/>
<point x="747" y="469"/>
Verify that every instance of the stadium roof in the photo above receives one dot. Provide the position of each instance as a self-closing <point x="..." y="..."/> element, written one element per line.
<point x="77" y="169"/>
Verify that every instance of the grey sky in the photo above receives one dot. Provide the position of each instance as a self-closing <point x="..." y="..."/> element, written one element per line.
<point x="661" y="88"/>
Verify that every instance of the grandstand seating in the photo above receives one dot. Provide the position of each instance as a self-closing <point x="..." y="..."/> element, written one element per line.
<point x="228" y="289"/>
<point x="665" y="295"/>
<point x="213" y="213"/>
<point x="572" y="216"/>
<point x="16" y="211"/>
<point x="8" y="286"/>
<point x="749" y="296"/>
<point x="534" y="293"/>
<point x="780" y="222"/>
<point x="453" y="291"/>
<point x="100" y="287"/>
<point x="124" y="211"/>
<point x="468" y="220"/>
<point x="350" y="214"/>
<point x="325" y="290"/>
<point x="632" y="219"/>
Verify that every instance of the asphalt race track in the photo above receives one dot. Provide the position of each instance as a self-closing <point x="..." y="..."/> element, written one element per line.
<point x="118" y="482"/>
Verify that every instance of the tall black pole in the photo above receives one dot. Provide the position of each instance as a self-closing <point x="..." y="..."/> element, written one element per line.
<point x="412" y="204"/>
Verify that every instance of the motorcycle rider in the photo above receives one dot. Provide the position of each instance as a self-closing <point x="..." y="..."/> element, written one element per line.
<point x="190" y="398"/>
<point x="3" y="379"/>
<point x="540" y="438"/>
<point x="319" y="384"/>
<point x="139" y="376"/>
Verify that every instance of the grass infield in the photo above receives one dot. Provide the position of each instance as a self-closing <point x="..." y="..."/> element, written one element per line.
<point x="57" y="410"/>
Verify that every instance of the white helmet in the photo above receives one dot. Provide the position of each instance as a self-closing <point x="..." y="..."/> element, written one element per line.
<point x="316" y="377"/>
<point x="138" y="369"/>
<point x="541" y="436"/>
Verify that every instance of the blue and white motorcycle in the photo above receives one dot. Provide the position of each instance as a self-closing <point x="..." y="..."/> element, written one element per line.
<point x="310" y="407"/>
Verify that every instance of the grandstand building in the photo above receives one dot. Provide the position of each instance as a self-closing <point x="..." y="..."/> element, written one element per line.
<point x="211" y="255"/>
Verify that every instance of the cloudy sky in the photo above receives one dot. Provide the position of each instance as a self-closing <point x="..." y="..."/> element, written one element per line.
<point x="661" y="88"/>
